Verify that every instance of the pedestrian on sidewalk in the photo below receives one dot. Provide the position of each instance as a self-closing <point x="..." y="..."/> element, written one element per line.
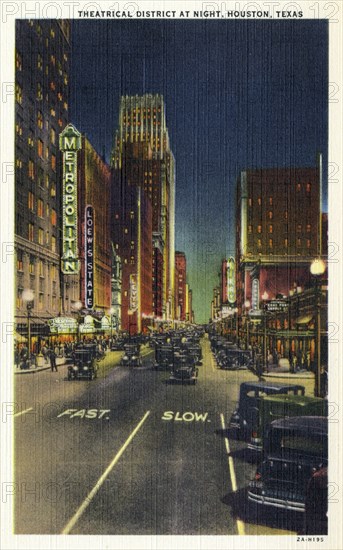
<point x="52" y="356"/>
<point x="45" y="353"/>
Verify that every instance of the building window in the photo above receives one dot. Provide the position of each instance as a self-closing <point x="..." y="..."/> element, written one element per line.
<point x="286" y="215"/>
<point x="40" y="208"/>
<point x="40" y="148"/>
<point x="259" y="243"/>
<point x="259" y="229"/>
<point x="298" y="242"/>
<point x="31" y="232"/>
<point x="40" y="120"/>
<point x="53" y="162"/>
<point x="40" y="236"/>
<point x="271" y="201"/>
<point x="52" y="136"/>
<point x="270" y="243"/>
<point x="31" y="201"/>
<point x="298" y="186"/>
<point x="18" y="94"/>
<point x="39" y="62"/>
<point x="299" y="228"/>
<point x="53" y="244"/>
<point x="126" y="230"/>
<point x="250" y="201"/>
<point x="32" y="265"/>
<point x="259" y="201"/>
<point x="249" y="228"/>
<point x="19" y="298"/>
<point x="47" y="238"/>
<point x="41" y="268"/>
<point x="308" y="188"/>
<point x="18" y="61"/>
<point x="40" y="301"/>
<point x="308" y="243"/>
<point x="270" y="215"/>
<point x="270" y="229"/>
<point x="39" y="91"/>
<point x="286" y="243"/>
<point x="53" y="217"/>
<point x="308" y="228"/>
<point x="20" y="260"/>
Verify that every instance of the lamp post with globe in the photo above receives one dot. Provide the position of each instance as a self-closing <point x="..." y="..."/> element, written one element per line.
<point x="317" y="269"/>
<point x="28" y="297"/>
<point x="78" y="307"/>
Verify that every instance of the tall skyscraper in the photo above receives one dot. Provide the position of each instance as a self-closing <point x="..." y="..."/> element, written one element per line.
<point x="142" y="157"/>
<point x="41" y="113"/>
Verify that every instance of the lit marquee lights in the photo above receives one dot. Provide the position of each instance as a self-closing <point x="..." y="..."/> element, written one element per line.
<point x="70" y="144"/>
<point x="231" y="280"/>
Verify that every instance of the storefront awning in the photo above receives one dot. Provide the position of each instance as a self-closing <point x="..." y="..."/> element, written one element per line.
<point x="304" y="319"/>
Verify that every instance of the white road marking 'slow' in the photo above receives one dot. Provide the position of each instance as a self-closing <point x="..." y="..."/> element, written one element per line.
<point x="23" y="412"/>
<point x="101" y="479"/>
<point x="240" y="524"/>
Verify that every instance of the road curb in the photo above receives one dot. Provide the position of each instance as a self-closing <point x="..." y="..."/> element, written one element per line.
<point x="38" y="369"/>
<point x="291" y="376"/>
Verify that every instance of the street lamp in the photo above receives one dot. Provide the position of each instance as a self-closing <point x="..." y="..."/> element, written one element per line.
<point x="28" y="297"/>
<point x="317" y="269"/>
<point x="247" y="308"/>
<point x="78" y="306"/>
<point x="112" y="311"/>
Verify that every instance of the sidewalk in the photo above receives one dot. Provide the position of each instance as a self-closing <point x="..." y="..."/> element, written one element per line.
<point x="60" y="362"/>
<point x="298" y="375"/>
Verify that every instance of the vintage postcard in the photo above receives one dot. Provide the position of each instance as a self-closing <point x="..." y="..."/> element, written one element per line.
<point x="171" y="239"/>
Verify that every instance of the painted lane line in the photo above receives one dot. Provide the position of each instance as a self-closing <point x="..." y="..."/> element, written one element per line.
<point x="240" y="524"/>
<point x="102" y="478"/>
<point x="23" y="412"/>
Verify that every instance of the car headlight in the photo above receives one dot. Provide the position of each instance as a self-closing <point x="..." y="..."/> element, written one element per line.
<point x="85" y="368"/>
<point x="134" y="357"/>
<point x="125" y="357"/>
<point x="75" y="368"/>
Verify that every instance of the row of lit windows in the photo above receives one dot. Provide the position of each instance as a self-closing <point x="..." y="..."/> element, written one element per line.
<point x="270" y="228"/>
<point x="299" y="243"/>
<point x="42" y="239"/>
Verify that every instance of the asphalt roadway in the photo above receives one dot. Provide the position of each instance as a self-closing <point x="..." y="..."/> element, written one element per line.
<point x="130" y="453"/>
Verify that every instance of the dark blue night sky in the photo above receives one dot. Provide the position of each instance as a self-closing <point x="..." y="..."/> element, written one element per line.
<point x="238" y="94"/>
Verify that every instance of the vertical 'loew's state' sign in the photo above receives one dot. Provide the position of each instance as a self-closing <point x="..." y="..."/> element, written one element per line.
<point x="70" y="144"/>
<point x="89" y="256"/>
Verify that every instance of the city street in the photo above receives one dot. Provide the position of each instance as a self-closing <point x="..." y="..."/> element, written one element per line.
<point x="131" y="454"/>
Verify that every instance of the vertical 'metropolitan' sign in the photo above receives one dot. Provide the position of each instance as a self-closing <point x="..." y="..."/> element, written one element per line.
<point x="70" y="144"/>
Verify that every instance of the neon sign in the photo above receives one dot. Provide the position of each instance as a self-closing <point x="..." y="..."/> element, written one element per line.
<point x="231" y="280"/>
<point x="70" y="143"/>
<point x="89" y="256"/>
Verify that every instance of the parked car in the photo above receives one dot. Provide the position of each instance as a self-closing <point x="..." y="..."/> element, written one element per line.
<point x="246" y="415"/>
<point x="233" y="359"/>
<point x="84" y="364"/>
<point x="273" y="407"/>
<point x="184" y="369"/>
<point x="131" y="356"/>
<point x="316" y="504"/>
<point x="295" y="448"/>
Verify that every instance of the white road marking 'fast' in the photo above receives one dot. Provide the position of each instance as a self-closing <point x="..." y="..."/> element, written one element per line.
<point x="101" y="479"/>
<point x="240" y="524"/>
<point x="23" y="412"/>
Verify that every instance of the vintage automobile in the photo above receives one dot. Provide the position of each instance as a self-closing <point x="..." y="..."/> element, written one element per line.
<point x="273" y="407"/>
<point x="84" y="363"/>
<point x="234" y="359"/>
<point x="246" y="415"/>
<point x="164" y="357"/>
<point x="184" y="369"/>
<point x="118" y="344"/>
<point x="295" y="448"/>
<point x="131" y="356"/>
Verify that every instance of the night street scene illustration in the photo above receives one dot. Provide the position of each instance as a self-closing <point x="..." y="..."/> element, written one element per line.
<point x="171" y="277"/>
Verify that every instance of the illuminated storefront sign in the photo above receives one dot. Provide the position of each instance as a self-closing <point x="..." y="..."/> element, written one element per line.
<point x="231" y="280"/>
<point x="255" y="299"/>
<point x="89" y="256"/>
<point x="63" y="325"/>
<point x="70" y="143"/>
<point x="133" y="292"/>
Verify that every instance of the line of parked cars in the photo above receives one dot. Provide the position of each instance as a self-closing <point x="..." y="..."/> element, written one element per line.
<point x="228" y="356"/>
<point x="288" y="432"/>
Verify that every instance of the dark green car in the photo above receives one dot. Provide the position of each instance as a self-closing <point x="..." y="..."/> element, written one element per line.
<point x="274" y="407"/>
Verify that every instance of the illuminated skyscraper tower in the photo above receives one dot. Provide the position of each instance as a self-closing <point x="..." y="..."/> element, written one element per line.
<point x="142" y="157"/>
